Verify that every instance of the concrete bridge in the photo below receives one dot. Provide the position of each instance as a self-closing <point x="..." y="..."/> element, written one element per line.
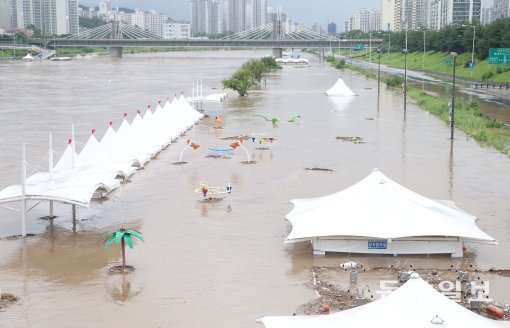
<point x="117" y="35"/>
<point x="211" y="43"/>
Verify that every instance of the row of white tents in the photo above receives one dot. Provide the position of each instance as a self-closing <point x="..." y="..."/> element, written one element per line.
<point x="101" y="165"/>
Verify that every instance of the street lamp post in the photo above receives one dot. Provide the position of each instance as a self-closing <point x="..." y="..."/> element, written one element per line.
<point x="472" y="48"/>
<point x="452" y="114"/>
<point x="370" y="46"/>
<point x="389" y="49"/>
<point x="379" y="77"/>
<point x="424" y="47"/>
<point x="405" y="80"/>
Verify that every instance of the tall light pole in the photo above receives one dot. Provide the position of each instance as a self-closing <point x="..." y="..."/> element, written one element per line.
<point x="379" y="77"/>
<point x="389" y="49"/>
<point x="370" y="46"/>
<point x="452" y="114"/>
<point x="424" y="47"/>
<point x="473" y="48"/>
<point x="405" y="80"/>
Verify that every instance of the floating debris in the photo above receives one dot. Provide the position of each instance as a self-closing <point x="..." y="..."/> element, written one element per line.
<point x="356" y="140"/>
<point x="7" y="299"/>
<point x="218" y="156"/>
<point x="118" y="269"/>
<point x="318" y="169"/>
<point x="241" y="136"/>
<point x="262" y="148"/>
<point x="211" y="200"/>
<point x="369" y="118"/>
<point x="179" y="163"/>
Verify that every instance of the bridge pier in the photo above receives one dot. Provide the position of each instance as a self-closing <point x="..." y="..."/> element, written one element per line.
<point x="277" y="53"/>
<point x="116" y="52"/>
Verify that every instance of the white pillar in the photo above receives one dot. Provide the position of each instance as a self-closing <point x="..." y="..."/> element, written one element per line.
<point x="201" y="88"/>
<point x="193" y="90"/>
<point x="23" y="193"/>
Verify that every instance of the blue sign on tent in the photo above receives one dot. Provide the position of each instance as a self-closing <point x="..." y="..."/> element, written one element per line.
<point x="377" y="244"/>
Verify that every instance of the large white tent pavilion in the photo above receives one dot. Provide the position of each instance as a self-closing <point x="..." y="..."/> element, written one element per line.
<point x="379" y="216"/>
<point x="100" y="167"/>
<point x="414" y="304"/>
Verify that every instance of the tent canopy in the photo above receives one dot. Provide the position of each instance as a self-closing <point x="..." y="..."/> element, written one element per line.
<point x="340" y="89"/>
<point x="378" y="207"/>
<point x="414" y="304"/>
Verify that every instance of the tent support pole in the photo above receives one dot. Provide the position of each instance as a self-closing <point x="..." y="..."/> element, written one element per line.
<point x="50" y="169"/>
<point x="73" y="147"/>
<point x="23" y="193"/>
<point x="74" y="212"/>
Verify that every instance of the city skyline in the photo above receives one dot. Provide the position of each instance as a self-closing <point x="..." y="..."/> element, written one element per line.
<point x="299" y="10"/>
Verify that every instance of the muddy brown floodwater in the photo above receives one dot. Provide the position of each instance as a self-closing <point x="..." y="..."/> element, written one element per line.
<point x="222" y="263"/>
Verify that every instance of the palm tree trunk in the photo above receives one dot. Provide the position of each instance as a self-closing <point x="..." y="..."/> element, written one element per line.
<point x="123" y="256"/>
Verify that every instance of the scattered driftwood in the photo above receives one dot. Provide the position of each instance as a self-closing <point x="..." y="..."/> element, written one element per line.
<point x="218" y="156"/>
<point x="369" y="118"/>
<point x="356" y="140"/>
<point x="318" y="169"/>
<point x="217" y="127"/>
<point x="15" y="237"/>
<point x="262" y="148"/>
<point x="248" y="162"/>
<point x="209" y="200"/>
<point x="7" y="299"/>
<point x="242" y="136"/>
<point x="500" y="272"/>
<point x="179" y="163"/>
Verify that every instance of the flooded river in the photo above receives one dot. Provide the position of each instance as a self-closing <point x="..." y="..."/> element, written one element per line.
<point x="217" y="264"/>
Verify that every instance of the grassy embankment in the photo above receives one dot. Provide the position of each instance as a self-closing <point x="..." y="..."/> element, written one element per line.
<point x="435" y="62"/>
<point x="468" y="116"/>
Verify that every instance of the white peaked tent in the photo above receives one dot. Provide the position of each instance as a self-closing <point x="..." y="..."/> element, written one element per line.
<point x="379" y="216"/>
<point x="340" y="89"/>
<point x="414" y="304"/>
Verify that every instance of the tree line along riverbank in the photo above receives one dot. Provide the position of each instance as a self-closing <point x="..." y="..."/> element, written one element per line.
<point x="249" y="74"/>
<point x="468" y="116"/>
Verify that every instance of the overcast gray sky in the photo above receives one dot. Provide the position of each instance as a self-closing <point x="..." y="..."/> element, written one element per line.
<point x="306" y="11"/>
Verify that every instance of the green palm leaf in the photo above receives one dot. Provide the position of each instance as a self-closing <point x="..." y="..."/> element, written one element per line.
<point x="259" y="115"/>
<point x="136" y="234"/>
<point x="118" y="235"/>
<point x="129" y="241"/>
<point x="109" y="242"/>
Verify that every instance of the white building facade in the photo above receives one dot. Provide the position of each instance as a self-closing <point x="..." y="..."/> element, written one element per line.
<point x="205" y="17"/>
<point x="365" y="20"/>
<point x="51" y="17"/>
<point x="446" y="12"/>
<point x="501" y="8"/>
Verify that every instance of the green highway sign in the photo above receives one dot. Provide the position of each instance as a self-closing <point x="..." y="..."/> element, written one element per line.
<point x="359" y="46"/>
<point x="499" y="56"/>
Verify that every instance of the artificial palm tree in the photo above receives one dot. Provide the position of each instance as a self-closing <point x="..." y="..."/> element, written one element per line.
<point x="123" y="236"/>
